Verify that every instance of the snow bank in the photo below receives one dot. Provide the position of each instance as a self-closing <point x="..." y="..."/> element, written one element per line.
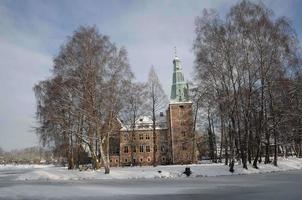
<point x="61" y="173"/>
<point x="23" y="166"/>
<point x="171" y="171"/>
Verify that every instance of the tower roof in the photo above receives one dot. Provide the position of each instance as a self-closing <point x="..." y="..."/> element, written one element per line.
<point x="179" y="89"/>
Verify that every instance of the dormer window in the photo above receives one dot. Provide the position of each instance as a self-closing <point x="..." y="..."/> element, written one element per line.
<point x="141" y="119"/>
<point x="161" y="114"/>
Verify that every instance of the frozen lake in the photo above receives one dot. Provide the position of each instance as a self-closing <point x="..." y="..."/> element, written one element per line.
<point x="278" y="185"/>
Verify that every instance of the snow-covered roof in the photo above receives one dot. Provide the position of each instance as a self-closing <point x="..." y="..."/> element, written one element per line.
<point x="144" y="120"/>
<point x="146" y="123"/>
<point x="177" y="102"/>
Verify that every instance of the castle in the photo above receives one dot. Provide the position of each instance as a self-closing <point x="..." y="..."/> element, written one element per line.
<point x="174" y="139"/>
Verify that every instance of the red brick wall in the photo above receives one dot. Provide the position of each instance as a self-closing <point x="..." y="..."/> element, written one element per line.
<point x="174" y="145"/>
<point x="181" y="132"/>
<point x="145" y="157"/>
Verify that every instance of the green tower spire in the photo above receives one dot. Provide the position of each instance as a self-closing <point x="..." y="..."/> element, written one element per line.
<point x="179" y="90"/>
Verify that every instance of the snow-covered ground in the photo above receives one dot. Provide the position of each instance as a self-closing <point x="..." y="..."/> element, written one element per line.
<point x="27" y="166"/>
<point x="280" y="186"/>
<point x="32" y="182"/>
<point x="49" y="172"/>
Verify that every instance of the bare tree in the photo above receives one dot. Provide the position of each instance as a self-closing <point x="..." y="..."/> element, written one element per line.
<point x="156" y="102"/>
<point x="242" y="60"/>
<point x="133" y="109"/>
<point x="85" y="95"/>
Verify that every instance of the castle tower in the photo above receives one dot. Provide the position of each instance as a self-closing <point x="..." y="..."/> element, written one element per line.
<point x="180" y="119"/>
<point x="179" y="89"/>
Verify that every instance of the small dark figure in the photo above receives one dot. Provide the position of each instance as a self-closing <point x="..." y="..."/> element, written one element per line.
<point x="232" y="163"/>
<point x="187" y="171"/>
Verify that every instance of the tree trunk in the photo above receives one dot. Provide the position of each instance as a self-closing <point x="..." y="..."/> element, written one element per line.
<point x="275" y="149"/>
<point x="104" y="156"/>
<point x="226" y="151"/>
<point x="154" y="132"/>
<point x="71" y="154"/>
<point x="214" y="142"/>
<point x="221" y="138"/>
<point x="250" y="147"/>
<point x="95" y="161"/>
<point x="232" y="148"/>
<point x="211" y="139"/>
<point x="258" y="141"/>
<point x="226" y="146"/>
<point x="267" y="149"/>
<point x="194" y="133"/>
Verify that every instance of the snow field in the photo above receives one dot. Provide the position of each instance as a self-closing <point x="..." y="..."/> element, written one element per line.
<point x="50" y="172"/>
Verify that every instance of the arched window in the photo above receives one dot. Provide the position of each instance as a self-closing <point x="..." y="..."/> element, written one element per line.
<point x="126" y="149"/>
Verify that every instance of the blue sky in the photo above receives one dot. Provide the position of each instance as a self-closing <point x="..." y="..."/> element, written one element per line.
<point x="31" y="32"/>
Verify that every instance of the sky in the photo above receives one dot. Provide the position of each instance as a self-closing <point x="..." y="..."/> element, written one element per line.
<point x="32" y="31"/>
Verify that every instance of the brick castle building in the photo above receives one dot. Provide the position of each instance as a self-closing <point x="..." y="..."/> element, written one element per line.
<point x="174" y="132"/>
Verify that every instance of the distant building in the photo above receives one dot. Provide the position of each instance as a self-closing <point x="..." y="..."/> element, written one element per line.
<point x="174" y="130"/>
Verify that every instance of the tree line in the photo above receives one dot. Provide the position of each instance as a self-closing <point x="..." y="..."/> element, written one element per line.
<point x="32" y="155"/>
<point x="248" y="84"/>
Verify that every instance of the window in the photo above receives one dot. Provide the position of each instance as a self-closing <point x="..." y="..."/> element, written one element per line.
<point x="141" y="159"/>
<point x="111" y="160"/>
<point x="147" y="148"/>
<point x="141" y="136"/>
<point x="116" y="160"/>
<point x="141" y="148"/>
<point x="183" y="133"/>
<point x="117" y="150"/>
<point x="155" y="148"/>
<point x="147" y="137"/>
<point x="184" y="146"/>
<point x="162" y="148"/>
<point x="134" y="160"/>
<point x="125" y="149"/>
<point x="126" y="160"/>
<point x="148" y="159"/>
<point x="163" y="159"/>
<point x="134" y="149"/>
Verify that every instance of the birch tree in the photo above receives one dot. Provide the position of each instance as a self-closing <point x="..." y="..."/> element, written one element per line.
<point x="242" y="60"/>
<point x="92" y="71"/>
<point x="156" y="101"/>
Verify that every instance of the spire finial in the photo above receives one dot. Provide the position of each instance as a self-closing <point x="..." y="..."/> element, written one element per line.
<point x="175" y="51"/>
